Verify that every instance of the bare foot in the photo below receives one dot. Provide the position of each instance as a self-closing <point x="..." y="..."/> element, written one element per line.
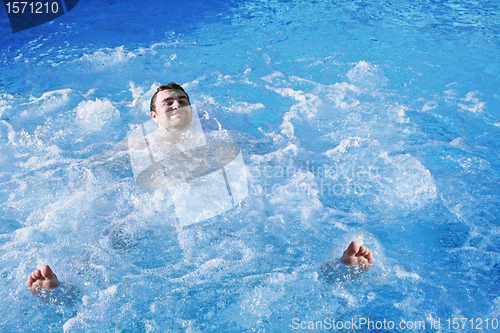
<point x="43" y="278"/>
<point x="356" y="255"/>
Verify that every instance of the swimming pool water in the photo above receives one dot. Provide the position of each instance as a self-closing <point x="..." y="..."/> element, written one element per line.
<point x="369" y="121"/>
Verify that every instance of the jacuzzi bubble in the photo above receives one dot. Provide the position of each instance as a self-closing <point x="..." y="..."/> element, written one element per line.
<point x="355" y="122"/>
<point x="93" y="115"/>
<point x="367" y="76"/>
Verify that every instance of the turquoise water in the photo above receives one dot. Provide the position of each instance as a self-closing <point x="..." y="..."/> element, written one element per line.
<point x="370" y="121"/>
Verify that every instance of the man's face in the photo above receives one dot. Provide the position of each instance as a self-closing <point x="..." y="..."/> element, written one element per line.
<point x="173" y="110"/>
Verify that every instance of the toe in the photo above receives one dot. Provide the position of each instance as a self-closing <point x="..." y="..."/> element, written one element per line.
<point x="352" y="249"/>
<point x="47" y="273"/>
<point x="37" y="274"/>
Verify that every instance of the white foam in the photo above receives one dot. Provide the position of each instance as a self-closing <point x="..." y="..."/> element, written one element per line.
<point x="109" y="57"/>
<point x="48" y="102"/>
<point x="411" y="185"/>
<point x="275" y="78"/>
<point x="403" y="274"/>
<point x="5" y="103"/>
<point x="359" y="168"/>
<point x="366" y="75"/>
<point x="94" y="115"/>
<point x="355" y="142"/>
<point x="429" y="105"/>
<point x="474" y="163"/>
<point x="342" y="95"/>
<point x="400" y="113"/>
<point x="245" y="107"/>
<point x="459" y="142"/>
<point x="142" y="97"/>
<point x="471" y="103"/>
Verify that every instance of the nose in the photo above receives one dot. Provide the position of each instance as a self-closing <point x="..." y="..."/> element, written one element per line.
<point x="175" y="105"/>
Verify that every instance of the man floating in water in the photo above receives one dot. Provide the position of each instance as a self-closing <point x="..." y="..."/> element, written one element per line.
<point x="171" y="111"/>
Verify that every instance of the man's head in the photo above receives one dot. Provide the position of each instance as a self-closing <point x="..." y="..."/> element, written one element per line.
<point x="171" y="108"/>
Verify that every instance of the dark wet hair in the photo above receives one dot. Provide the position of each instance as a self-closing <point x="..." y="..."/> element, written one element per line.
<point x="169" y="86"/>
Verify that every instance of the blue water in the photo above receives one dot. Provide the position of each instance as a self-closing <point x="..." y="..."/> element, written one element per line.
<point x="370" y="121"/>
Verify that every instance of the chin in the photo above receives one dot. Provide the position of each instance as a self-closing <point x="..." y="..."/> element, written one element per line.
<point x="180" y="125"/>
